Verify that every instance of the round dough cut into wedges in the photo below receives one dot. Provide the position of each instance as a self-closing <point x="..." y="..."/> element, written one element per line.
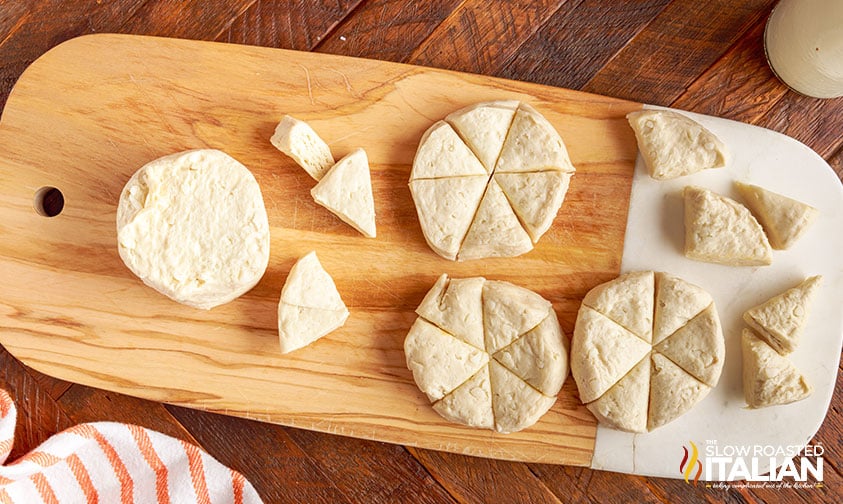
<point x="620" y="373"/>
<point x="525" y="170"/>
<point x="488" y="354"/>
<point x="674" y="145"/>
<point x="721" y="230"/>
<point x="193" y="226"/>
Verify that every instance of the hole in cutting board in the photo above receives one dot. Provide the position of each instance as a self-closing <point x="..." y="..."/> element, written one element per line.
<point x="49" y="201"/>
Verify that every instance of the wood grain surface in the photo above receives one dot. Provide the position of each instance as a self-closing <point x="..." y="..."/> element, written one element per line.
<point x="104" y="328"/>
<point x="701" y="56"/>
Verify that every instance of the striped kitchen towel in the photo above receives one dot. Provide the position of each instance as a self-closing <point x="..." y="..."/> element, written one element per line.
<point x="110" y="462"/>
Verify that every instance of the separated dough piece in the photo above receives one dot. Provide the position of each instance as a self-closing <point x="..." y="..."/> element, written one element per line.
<point x="627" y="300"/>
<point x="346" y="190"/>
<point x="456" y="306"/>
<point x="193" y="226"/>
<point x="674" y="145"/>
<point x="509" y="311"/>
<point x="495" y="231"/>
<point x="532" y="145"/>
<point x="602" y="352"/>
<point x="769" y="379"/>
<point x="536" y="197"/>
<point x="470" y="403"/>
<point x="698" y="347"/>
<point x="309" y="285"/>
<point x="721" y="230"/>
<point x="446" y="208"/>
<point x="299" y="326"/>
<point x="673" y="392"/>
<point x="310" y="305"/>
<point x="442" y="153"/>
<point x="780" y="319"/>
<point x="539" y="357"/>
<point x="297" y="139"/>
<point x="516" y="404"/>
<point x="484" y="126"/>
<point x="783" y="219"/>
<point x="440" y="362"/>
<point x="624" y="406"/>
<point x="677" y="302"/>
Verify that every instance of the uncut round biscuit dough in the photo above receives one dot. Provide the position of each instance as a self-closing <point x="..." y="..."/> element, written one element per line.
<point x="487" y="354"/>
<point x="193" y="226"/>
<point x="647" y="347"/>
<point x="489" y="180"/>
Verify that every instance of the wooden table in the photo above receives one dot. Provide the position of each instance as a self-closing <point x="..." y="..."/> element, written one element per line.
<point x="701" y="56"/>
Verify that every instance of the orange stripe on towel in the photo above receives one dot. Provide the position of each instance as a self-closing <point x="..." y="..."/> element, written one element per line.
<point x="154" y="461"/>
<point x="127" y="488"/>
<point x="197" y="472"/>
<point x="237" y="483"/>
<point x="44" y="488"/>
<point x="83" y="477"/>
<point x="43" y="459"/>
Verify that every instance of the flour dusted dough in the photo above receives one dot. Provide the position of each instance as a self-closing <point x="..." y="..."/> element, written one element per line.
<point x="507" y="392"/>
<point x="297" y="139"/>
<point x="783" y="219"/>
<point x="622" y="376"/>
<point x="446" y="207"/>
<point x="674" y="145"/>
<point x="525" y="172"/>
<point x="627" y="300"/>
<point x="769" y="379"/>
<point x="310" y="306"/>
<point x="193" y="226"/>
<point x="346" y="190"/>
<point x="602" y="352"/>
<point x="484" y="126"/>
<point x="780" y="319"/>
<point x="624" y="406"/>
<point x="721" y="230"/>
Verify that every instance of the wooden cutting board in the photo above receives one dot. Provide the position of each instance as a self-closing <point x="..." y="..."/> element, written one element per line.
<point x="90" y="112"/>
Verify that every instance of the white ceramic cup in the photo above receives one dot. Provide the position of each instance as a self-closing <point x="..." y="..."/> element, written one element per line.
<point x="803" y="40"/>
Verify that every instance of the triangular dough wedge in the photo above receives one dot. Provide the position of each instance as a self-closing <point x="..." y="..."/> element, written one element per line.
<point x="470" y="403"/>
<point x="780" y="319"/>
<point x="624" y="406"/>
<point x="440" y="362"/>
<point x="299" y="326"/>
<point x="483" y="126"/>
<point x="442" y="153"/>
<point x="456" y="306"/>
<point x="769" y="379"/>
<point x="536" y="197"/>
<point x="516" y="404"/>
<point x="532" y="144"/>
<point x="310" y="286"/>
<point x="677" y="302"/>
<point x="346" y="190"/>
<point x="602" y="352"/>
<point x="721" y="230"/>
<point x="495" y="231"/>
<point x="510" y="311"/>
<point x="674" y="145"/>
<point x="783" y="219"/>
<point x="539" y="357"/>
<point x="446" y="207"/>
<point x="673" y="392"/>
<point x="698" y="347"/>
<point x="628" y="300"/>
<point x="297" y="139"/>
